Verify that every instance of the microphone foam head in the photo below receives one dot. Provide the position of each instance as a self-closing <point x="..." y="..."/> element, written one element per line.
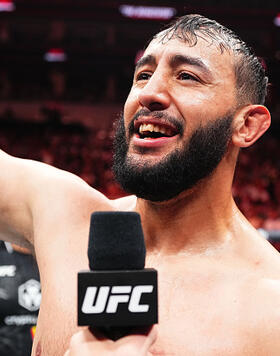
<point x="116" y="241"/>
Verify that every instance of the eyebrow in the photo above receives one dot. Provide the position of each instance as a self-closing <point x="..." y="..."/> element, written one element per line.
<point x="149" y="59"/>
<point x="175" y="61"/>
<point x="179" y="59"/>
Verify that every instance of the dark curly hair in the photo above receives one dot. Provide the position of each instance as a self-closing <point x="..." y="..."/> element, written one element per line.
<point x="251" y="81"/>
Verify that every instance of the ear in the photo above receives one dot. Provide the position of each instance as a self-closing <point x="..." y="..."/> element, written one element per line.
<point x="250" y="123"/>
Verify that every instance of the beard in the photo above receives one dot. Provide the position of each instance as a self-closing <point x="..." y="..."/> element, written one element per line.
<point x="178" y="171"/>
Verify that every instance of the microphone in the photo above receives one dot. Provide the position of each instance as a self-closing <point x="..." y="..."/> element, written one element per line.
<point x="118" y="295"/>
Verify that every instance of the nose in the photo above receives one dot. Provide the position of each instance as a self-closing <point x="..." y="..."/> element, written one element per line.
<point x="154" y="95"/>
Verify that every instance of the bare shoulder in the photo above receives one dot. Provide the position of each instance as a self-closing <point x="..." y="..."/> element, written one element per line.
<point x="33" y="193"/>
<point x="127" y="203"/>
<point x="266" y="320"/>
<point x="256" y="249"/>
<point x="266" y="257"/>
<point x="49" y="181"/>
<point x="33" y="176"/>
<point x="60" y="198"/>
<point x="262" y="302"/>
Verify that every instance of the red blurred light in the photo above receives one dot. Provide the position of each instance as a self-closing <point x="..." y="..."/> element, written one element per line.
<point x="276" y="20"/>
<point x="7" y="5"/>
<point x="55" y="55"/>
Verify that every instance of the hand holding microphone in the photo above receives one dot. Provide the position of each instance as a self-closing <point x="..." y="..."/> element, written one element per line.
<point x="117" y="296"/>
<point x="86" y="344"/>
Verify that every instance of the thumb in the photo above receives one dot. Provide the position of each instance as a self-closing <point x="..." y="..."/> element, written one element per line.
<point x="141" y="341"/>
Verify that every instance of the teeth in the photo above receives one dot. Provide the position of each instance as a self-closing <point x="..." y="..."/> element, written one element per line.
<point x="149" y="127"/>
<point x="163" y="131"/>
<point x="154" y="128"/>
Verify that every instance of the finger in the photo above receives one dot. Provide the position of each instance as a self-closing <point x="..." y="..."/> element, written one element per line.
<point x="153" y="333"/>
<point x="82" y="336"/>
<point x="141" y="341"/>
<point x="151" y="338"/>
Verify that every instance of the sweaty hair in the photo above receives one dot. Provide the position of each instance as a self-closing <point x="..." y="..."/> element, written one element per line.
<point x="251" y="81"/>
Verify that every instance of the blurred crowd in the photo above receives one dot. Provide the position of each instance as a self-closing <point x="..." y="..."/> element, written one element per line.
<point x="79" y="150"/>
<point x="257" y="185"/>
<point x="88" y="153"/>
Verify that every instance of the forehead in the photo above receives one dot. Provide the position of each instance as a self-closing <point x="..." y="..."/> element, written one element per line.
<point x="218" y="62"/>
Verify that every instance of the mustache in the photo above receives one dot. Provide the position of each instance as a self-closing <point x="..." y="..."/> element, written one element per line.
<point x="179" y="125"/>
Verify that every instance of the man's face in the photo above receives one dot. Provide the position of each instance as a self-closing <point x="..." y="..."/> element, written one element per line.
<point x="177" y="118"/>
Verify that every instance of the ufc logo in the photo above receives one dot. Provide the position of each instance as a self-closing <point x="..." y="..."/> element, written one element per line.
<point x="118" y="294"/>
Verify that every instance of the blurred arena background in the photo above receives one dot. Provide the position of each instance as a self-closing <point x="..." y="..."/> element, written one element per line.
<point x="66" y="68"/>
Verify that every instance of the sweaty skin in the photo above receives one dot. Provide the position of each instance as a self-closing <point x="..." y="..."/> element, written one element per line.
<point x="219" y="288"/>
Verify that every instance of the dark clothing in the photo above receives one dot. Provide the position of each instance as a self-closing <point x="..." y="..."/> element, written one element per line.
<point x="20" y="297"/>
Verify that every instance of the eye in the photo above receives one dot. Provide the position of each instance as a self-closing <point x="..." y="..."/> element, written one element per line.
<point x="143" y="76"/>
<point x="187" y="76"/>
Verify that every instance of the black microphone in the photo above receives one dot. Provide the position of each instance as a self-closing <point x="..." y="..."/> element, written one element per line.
<point x="117" y="296"/>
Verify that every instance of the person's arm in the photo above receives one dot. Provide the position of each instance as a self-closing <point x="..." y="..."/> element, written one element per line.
<point x="26" y="188"/>
<point x="15" y="213"/>
<point x="86" y="344"/>
<point x="48" y="210"/>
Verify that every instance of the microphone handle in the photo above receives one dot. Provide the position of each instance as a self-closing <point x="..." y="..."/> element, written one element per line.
<point x="117" y="332"/>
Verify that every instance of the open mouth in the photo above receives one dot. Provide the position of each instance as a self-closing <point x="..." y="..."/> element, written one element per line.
<point x="148" y="131"/>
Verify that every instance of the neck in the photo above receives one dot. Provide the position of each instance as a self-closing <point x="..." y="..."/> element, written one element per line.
<point x="196" y="220"/>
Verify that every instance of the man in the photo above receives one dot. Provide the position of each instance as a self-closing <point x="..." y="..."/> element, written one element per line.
<point x="196" y="99"/>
